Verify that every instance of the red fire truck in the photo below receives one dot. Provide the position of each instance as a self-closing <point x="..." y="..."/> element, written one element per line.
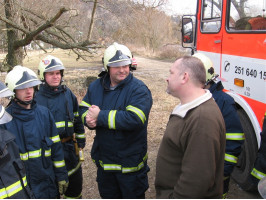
<point x="233" y="34"/>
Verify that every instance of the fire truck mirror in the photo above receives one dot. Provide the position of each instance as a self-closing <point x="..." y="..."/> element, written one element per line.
<point x="187" y="30"/>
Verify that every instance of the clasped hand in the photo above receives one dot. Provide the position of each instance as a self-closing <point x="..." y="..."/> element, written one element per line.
<point x="92" y="115"/>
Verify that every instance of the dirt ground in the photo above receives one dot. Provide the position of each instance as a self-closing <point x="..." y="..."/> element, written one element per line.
<point x="153" y="73"/>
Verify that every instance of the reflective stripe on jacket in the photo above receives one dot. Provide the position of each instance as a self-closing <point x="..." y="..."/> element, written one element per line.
<point x="64" y="106"/>
<point x="13" y="182"/>
<point x="121" y="133"/>
<point x="40" y="148"/>
<point x="259" y="170"/>
<point x="234" y="132"/>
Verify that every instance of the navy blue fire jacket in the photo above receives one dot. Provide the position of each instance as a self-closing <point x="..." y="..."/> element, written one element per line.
<point x="64" y="106"/>
<point x="259" y="170"/>
<point x="234" y="131"/>
<point x="40" y="148"/>
<point x="120" y="144"/>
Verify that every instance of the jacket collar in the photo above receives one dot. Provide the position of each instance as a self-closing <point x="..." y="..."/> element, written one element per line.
<point x="181" y="110"/>
<point x="48" y="91"/>
<point x="21" y="113"/>
<point x="105" y="80"/>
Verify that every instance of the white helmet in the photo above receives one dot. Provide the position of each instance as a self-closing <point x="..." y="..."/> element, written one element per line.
<point x="117" y="55"/>
<point x="4" y="91"/>
<point x="20" y="78"/>
<point x="49" y="64"/>
<point x="208" y="65"/>
<point x="5" y="117"/>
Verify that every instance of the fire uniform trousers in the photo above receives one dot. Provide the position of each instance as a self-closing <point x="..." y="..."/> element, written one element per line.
<point x="40" y="148"/>
<point x="259" y="170"/>
<point x="64" y="106"/>
<point x="234" y="132"/>
<point x="13" y="181"/>
<point x="120" y="145"/>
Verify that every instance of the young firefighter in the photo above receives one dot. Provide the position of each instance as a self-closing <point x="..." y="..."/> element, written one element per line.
<point x="36" y="135"/>
<point x="234" y="132"/>
<point x="117" y="106"/>
<point x="13" y="181"/>
<point x="64" y="106"/>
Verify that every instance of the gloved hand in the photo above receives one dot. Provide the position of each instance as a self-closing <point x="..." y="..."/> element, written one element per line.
<point x="62" y="186"/>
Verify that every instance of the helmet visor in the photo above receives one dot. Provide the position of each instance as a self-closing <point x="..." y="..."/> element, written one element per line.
<point x="120" y="63"/>
<point x="119" y="59"/>
<point x="5" y="117"/>
<point x="29" y="84"/>
<point x="6" y="93"/>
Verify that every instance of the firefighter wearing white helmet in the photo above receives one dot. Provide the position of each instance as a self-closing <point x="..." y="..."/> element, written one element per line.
<point x="20" y="78"/>
<point x="68" y="122"/>
<point x="50" y="64"/>
<point x="119" y="106"/>
<point x="234" y="132"/>
<point x="117" y="55"/>
<point x="36" y="136"/>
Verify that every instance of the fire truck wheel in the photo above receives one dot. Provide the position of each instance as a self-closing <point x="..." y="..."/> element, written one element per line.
<point x="241" y="173"/>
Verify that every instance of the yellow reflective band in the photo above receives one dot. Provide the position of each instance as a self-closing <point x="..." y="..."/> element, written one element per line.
<point x="55" y="139"/>
<point x="78" y="197"/>
<point x="47" y="153"/>
<point x="256" y="173"/>
<point x="230" y="158"/>
<point x="137" y="111"/>
<point x="59" y="164"/>
<point x="85" y="104"/>
<point x="124" y="169"/>
<point x="76" y="114"/>
<point x="12" y="189"/>
<point x="112" y="167"/>
<point x="80" y="135"/>
<point x="31" y="154"/>
<point x="235" y="136"/>
<point x="111" y="119"/>
<point x="24" y="156"/>
<point x="63" y="124"/>
<point x="72" y="171"/>
<point x="83" y="116"/>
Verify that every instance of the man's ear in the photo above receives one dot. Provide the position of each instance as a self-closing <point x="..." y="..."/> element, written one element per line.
<point x="185" y="77"/>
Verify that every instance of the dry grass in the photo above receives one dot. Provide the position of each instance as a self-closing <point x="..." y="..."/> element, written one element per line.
<point x="151" y="72"/>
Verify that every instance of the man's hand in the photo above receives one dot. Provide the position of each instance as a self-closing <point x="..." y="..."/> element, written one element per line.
<point x="94" y="111"/>
<point x="62" y="186"/>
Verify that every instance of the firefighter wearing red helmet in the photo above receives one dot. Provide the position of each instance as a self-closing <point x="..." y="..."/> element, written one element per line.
<point x="117" y="106"/>
<point x="34" y="128"/>
<point x="63" y="104"/>
<point x="234" y="132"/>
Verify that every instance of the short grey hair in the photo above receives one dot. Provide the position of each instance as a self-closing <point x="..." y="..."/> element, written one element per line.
<point x="194" y="67"/>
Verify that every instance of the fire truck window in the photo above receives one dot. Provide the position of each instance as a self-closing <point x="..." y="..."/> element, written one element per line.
<point x="247" y="15"/>
<point x="211" y="16"/>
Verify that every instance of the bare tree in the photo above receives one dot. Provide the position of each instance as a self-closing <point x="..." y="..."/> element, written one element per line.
<point x="25" y="25"/>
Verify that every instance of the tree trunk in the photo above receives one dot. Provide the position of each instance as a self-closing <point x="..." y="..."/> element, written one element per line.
<point x="15" y="54"/>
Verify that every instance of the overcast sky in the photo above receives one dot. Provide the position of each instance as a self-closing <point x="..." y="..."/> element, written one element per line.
<point x="182" y="7"/>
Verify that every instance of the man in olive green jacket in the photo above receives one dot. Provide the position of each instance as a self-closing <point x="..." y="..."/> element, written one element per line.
<point x="190" y="160"/>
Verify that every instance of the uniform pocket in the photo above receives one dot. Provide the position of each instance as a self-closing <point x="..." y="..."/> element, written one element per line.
<point x="46" y="152"/>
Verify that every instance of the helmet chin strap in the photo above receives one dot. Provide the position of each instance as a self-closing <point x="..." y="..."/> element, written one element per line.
<point x="23" y="102"/>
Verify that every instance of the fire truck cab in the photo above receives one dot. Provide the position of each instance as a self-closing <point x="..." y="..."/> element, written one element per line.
<point x="233" y="34"/>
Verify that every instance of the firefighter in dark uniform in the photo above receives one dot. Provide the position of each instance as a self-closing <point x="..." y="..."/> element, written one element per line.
<point x="117" y="105"/>
<point x="34" y="128"/>
<point x="63" y="104"/>
<point x="259" y="170"/>
<point x="13" y="180"/>
<point x="234" y="132"/>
